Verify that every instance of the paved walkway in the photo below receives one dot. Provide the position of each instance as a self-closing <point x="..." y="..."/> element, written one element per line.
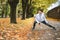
<point x="43" y="32"/>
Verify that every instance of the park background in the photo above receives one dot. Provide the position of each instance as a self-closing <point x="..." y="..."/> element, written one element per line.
<point x="17" y="17"/>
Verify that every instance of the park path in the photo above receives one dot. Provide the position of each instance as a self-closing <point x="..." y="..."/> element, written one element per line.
<point x="43" y="32"/>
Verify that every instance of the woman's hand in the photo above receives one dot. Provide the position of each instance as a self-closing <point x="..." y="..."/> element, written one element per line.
<point x="39" y="23"/>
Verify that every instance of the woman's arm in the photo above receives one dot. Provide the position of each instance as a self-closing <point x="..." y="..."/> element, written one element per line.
<point x="45" y="18"/>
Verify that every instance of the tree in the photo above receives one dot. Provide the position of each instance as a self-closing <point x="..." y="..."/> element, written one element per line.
<point x="42" y="3"/>
<point x="29" y="9"/>
<point x="6" y="9"/>
<point x="13" y="4"/>
<point x="24" y="8"/>
<point x="29" y="6"/>
<point x="4" y="6"/>
<point x="2" y="14"/>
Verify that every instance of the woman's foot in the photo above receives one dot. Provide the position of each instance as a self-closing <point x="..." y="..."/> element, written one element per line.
<point x="54" y="28"/>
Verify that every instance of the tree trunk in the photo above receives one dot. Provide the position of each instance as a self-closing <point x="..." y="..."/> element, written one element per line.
<point x="13" y="4"/>
<point x="2" y="15"/>
<point x="29" y="9"/>
<point x="6" y="10"/>
<point x="13" y="14"/>
<point x="24" y="12"/>
<point x="31" y="15"/>
<point x="24" y="8"/>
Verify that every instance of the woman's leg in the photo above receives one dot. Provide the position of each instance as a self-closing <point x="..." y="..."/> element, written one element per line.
<point x="48" y="24"/>
<point x="34" y="25"/>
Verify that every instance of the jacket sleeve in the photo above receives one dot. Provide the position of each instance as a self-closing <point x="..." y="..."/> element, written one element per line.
<point x="36" y="19"/>
<point x="45" y="18"/>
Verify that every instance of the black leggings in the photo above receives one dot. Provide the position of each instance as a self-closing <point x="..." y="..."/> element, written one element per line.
<point x="43" y="23"/>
